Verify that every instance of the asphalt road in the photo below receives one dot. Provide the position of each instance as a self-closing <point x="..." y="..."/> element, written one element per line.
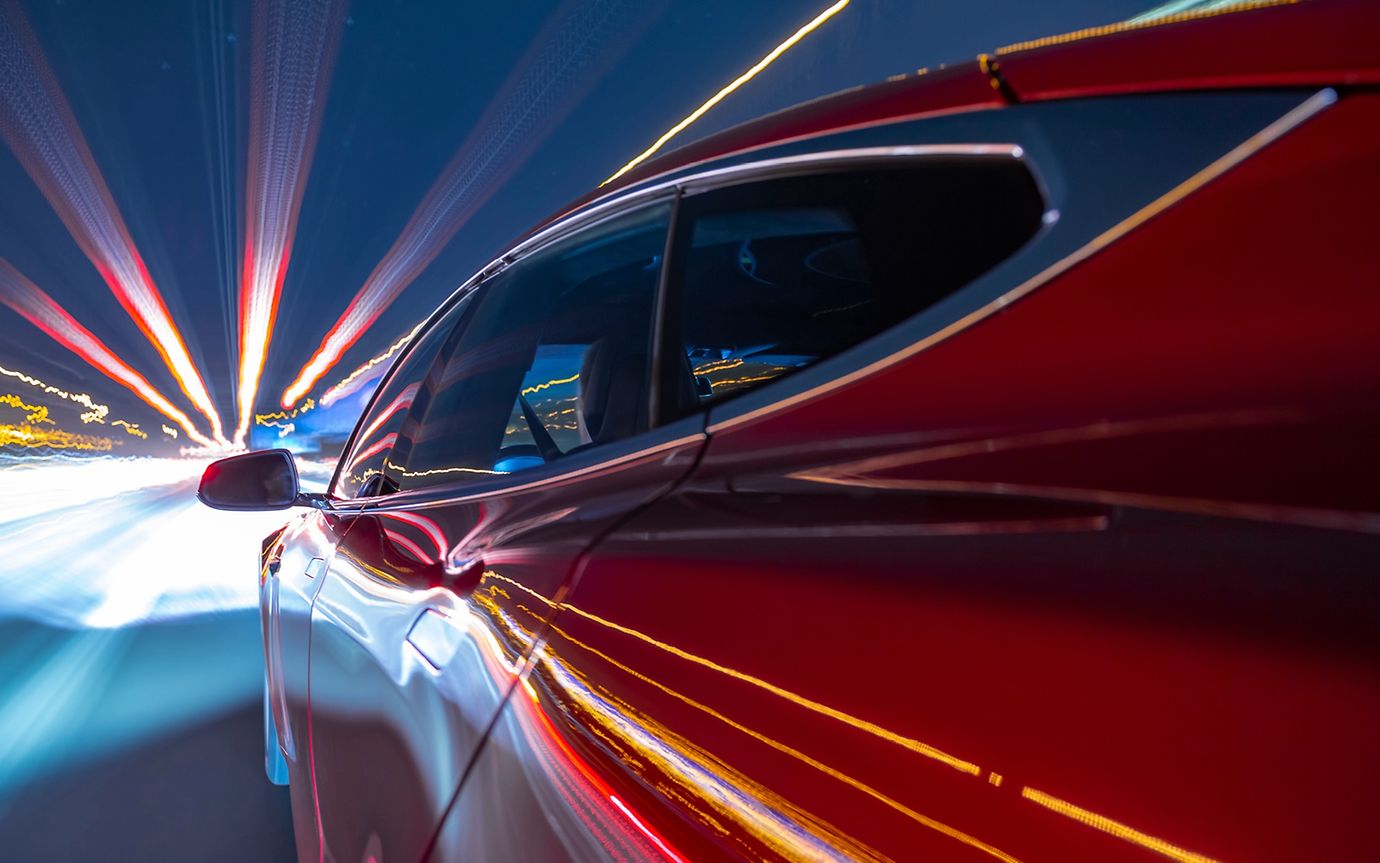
<point x="130" y="673"/>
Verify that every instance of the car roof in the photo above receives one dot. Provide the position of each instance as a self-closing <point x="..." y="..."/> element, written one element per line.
<point x="1259" y="43"/>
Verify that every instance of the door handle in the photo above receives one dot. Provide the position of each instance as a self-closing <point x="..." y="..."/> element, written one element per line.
<point x="436" y="637"/>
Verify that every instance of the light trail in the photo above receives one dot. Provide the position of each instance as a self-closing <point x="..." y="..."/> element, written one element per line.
<point x="294" y="45"/>
<point x="29" y="436"/>
<point x="132" y="428"/>
<point x="371" y="369"/>
<point x="42" y="311"/>
<point x="270" y="419"/>
<point x="95" y="412"/>
<point x="38" y="414"/>
<point x="33" y="413"/>
<point x="727" y="90"/>
<point x="39" y="126"/>
<point x="544" y="88"/>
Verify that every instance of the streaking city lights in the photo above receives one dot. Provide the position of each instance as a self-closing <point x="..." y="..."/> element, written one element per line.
<point x="729" y="88"/>
<point x="29" y="436"/>
<point x="42" y="311"/>
<point x="32" y="413"/>
<point x="294" y="44"/>
<point x="95" y="412"/>
<point x="372" y="369"/>
<point x="542" y="91"/>
<point x="39" y="126"/>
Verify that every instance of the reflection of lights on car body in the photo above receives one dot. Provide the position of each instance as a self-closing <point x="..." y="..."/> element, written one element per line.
<point x="752" y="510"/>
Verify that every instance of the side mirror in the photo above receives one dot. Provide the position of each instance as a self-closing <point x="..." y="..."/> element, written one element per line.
<point x="253" y="481"/>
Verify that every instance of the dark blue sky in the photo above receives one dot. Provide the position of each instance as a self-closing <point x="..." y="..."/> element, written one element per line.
<point x="159" y="88"/>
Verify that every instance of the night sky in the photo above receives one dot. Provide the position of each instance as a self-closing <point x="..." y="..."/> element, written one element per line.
<point x="160" y="90"/>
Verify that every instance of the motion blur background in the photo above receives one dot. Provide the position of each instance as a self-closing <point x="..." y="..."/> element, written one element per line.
<point x="218" y="221"/>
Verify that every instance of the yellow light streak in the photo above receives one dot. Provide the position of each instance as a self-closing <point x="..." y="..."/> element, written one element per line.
<point x="1115" y="828"/>
<point x="271" y="419"/>
<point x="726" y="91"/>
<point x="438" y="471"/>
<point x="26" y="436"/>
<point x="95" y="412"/>
<point x="169" y="431"/>
<point x="938" y="826"/>
<point x="536" y="388"/>
<point x="1139" y="24"/>
<point x="748" y="380"/>
<point x="132" y="428"/>
<point x="335" y="392"/>
<point x="719" y="365"/>
<point x="814" y="706"/>
<point x="35" y="414"/>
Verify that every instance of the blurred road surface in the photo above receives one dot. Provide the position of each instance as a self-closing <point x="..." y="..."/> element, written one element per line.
<point x="130" y="670"/>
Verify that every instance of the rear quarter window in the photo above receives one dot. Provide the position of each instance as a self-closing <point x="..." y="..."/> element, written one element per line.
<point x="779" y="274"/>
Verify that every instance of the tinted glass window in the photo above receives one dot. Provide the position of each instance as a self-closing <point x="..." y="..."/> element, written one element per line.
<point x="782" y="273"/>
<point x="554" y="361"/>
<point x="365" y="470"/>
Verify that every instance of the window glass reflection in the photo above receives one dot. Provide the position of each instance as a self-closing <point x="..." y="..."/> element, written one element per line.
<point x="366" y="470"/>
<point x="554" y="362"/>
<point x="783" y="273"/>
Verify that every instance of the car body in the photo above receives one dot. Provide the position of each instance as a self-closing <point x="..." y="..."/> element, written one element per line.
<point x="980" y="465"/>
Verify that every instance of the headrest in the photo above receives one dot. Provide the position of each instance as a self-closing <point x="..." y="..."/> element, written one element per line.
<point x="611" y="386"/>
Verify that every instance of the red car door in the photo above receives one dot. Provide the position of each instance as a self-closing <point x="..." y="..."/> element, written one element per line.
<point x="525" y="441"/>
<point x="1076" y="564"/>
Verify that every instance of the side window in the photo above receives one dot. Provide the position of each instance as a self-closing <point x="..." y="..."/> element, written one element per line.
<point x="366" y="470"/>
<point x="782" y="273"/>
<point x="554" y="361"/>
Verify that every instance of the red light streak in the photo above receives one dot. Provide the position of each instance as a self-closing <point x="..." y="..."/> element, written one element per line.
<point x="567" y="758"/>
<point x="427" y="526"/>
<point x="408" y="545"/>
<point x="294" y="44"/>
<point x="402" y="402"/>
<point x="646" y="831"/>
<point x="42" y="311"/>
<point x="38" y="125"/>
<point x="545" y="87"/>
<point x="374" y="449"/>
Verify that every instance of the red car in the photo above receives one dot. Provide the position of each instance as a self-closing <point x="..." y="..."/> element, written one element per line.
<point x="981" y="465"/>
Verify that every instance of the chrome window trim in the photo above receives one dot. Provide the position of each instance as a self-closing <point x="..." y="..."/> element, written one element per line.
<point x="433" y="496"/>
<point x="467" y="287"/>
<point x="620" y="203"/>
<point x="617" y="202"/>
<point x="746" y="172"/>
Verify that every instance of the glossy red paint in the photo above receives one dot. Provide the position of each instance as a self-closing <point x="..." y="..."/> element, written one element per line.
<point x="1288" y="44"/>
<point x="1084" y="572"/>
<point x="1096" y="584"/>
